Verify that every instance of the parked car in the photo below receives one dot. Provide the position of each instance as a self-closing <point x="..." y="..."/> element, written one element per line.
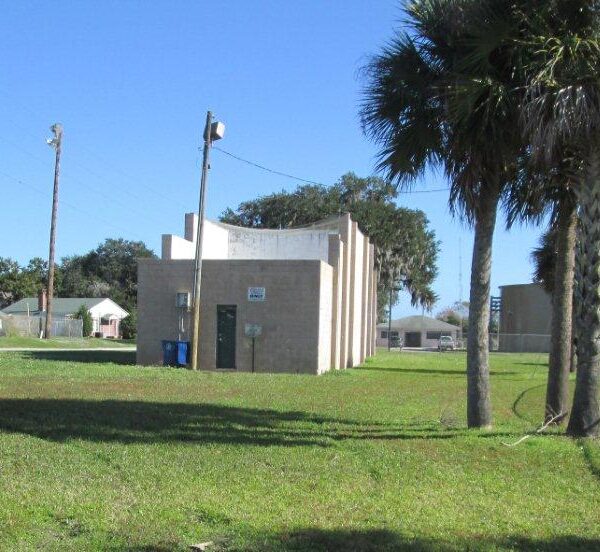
<point x="446" y="343"/>
<point x="396" y="342"/>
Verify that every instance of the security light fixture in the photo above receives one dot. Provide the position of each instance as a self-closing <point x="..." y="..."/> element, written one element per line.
<point x="217" y="130"/>
<point x="57" y="131"/>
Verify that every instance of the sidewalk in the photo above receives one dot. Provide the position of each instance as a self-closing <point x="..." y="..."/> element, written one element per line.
<point x="68" y="349"/>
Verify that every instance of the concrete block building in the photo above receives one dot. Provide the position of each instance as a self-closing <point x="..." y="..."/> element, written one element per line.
<point x="525" y="318"/>
<point x="309" y="293"/>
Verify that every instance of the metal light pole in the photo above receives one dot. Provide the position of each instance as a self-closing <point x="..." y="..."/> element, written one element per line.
<point x="212" y="132"/>
<point x="55" y="143"/>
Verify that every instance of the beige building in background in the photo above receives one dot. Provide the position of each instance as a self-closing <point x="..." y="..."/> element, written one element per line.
<point x="525" y="318"/>
<point x="310" y="294"/>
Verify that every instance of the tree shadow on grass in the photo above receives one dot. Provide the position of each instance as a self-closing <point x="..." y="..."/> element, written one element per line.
<point x="381" y="540"/>
<point x="319" y="540"/>
<point x="83" y="356"/>
<point x="461" y="373"/>
<point x="520" y="397"/>
<point x="592" y="461"/>
<point x="152" y="422"/>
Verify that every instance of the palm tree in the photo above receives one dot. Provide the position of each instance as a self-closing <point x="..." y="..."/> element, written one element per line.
<point x="543" y="257"/>
<point x="562" y="106"/>
<point x="536" y="194"/>
<point x="437" y="97"/>
<point x="559" y="242"/>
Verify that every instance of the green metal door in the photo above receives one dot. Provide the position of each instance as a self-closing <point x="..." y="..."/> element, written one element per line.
<point x="226" y="324"/>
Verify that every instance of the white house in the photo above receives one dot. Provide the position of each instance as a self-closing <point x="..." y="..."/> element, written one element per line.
<point x="106" y="314"/>
<point x="416" y="331"/>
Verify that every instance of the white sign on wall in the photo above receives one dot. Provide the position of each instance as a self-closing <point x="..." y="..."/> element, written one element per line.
<point x="253" y="330"/>
<point x="182" y="299"/>
<point x="257" y="293"/>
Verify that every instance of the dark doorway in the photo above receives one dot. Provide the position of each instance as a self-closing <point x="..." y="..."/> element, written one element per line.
<point x="226" y="324"/>
<point x="412" y="339"/>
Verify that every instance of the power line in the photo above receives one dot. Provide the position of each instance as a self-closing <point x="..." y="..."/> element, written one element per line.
<point x="147" y="187"/>
<point x="433" y="190"/>
<point x="171" y="199"/>
<point x="232" y="155"/>
<point x="111" y="199"/>
<point x="291" y="176"/>
<point x="273" y="171"/>
<point x="71" y="206"/>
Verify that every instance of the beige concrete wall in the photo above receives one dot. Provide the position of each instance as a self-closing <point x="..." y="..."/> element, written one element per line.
<point x="292" y="244"/>
<point x="214" y="241"/>
<point x="224" y="241"/>
<point x="158" y="318"/>
<point x="364" y="310"/>
<point x="525" y="319"/>
<point x="175" y="247"/>
<point x="336" y="259"/>
<point x="296" y="315"/>
<point x="346" y="238"/>
<point x="526" y="309"/>
<point x="369" y="305"/>
<point x="191" y="226"/>
<point x="356" y="314"/>
<point x="325" y="317"/>
<point x="356" y="340"/>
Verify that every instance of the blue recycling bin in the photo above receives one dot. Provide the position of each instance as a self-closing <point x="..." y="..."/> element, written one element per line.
<point x="175" y="353"/>
<point x="169" y="349"/>
<point x="183" y="353"/>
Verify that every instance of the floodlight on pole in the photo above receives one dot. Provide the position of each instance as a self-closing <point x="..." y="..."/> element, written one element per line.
<point x="212" y="131"/>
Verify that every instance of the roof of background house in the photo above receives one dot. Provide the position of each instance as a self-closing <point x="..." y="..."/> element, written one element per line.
<point x="418" y="323"/>
<point x="61" y="306"/>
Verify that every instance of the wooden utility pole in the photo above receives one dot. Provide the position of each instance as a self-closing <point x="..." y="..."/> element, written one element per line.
<point x="55" y="143"/>
<point x="199" y="232"/>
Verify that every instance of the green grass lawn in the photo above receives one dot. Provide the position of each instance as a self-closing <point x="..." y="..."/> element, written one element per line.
<point x="96" y="455"/>
<point x="63" y="342"/>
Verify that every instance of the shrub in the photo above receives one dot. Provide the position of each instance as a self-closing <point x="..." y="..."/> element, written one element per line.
<point x="129" y="325"/>
<point x="83" y="314"/>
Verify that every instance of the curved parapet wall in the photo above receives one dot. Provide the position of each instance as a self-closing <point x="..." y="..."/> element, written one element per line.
<point x="225" y="241"/>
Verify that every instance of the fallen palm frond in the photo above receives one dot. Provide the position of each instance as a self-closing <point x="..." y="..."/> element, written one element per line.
<point x="539" y="430"/>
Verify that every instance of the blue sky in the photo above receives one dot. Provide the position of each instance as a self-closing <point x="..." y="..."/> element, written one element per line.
<point x="131" y="83"/>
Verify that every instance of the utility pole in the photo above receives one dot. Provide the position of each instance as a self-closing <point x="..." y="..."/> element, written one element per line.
<point x="212" y="131"/>
<point x="54" y="143"/>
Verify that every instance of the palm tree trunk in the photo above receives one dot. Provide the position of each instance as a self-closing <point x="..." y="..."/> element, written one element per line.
<point x="479" y="408"/>
<point x="573" y="333"/>
<point x="557" y="390"/>
<point x="585" y="414"/>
